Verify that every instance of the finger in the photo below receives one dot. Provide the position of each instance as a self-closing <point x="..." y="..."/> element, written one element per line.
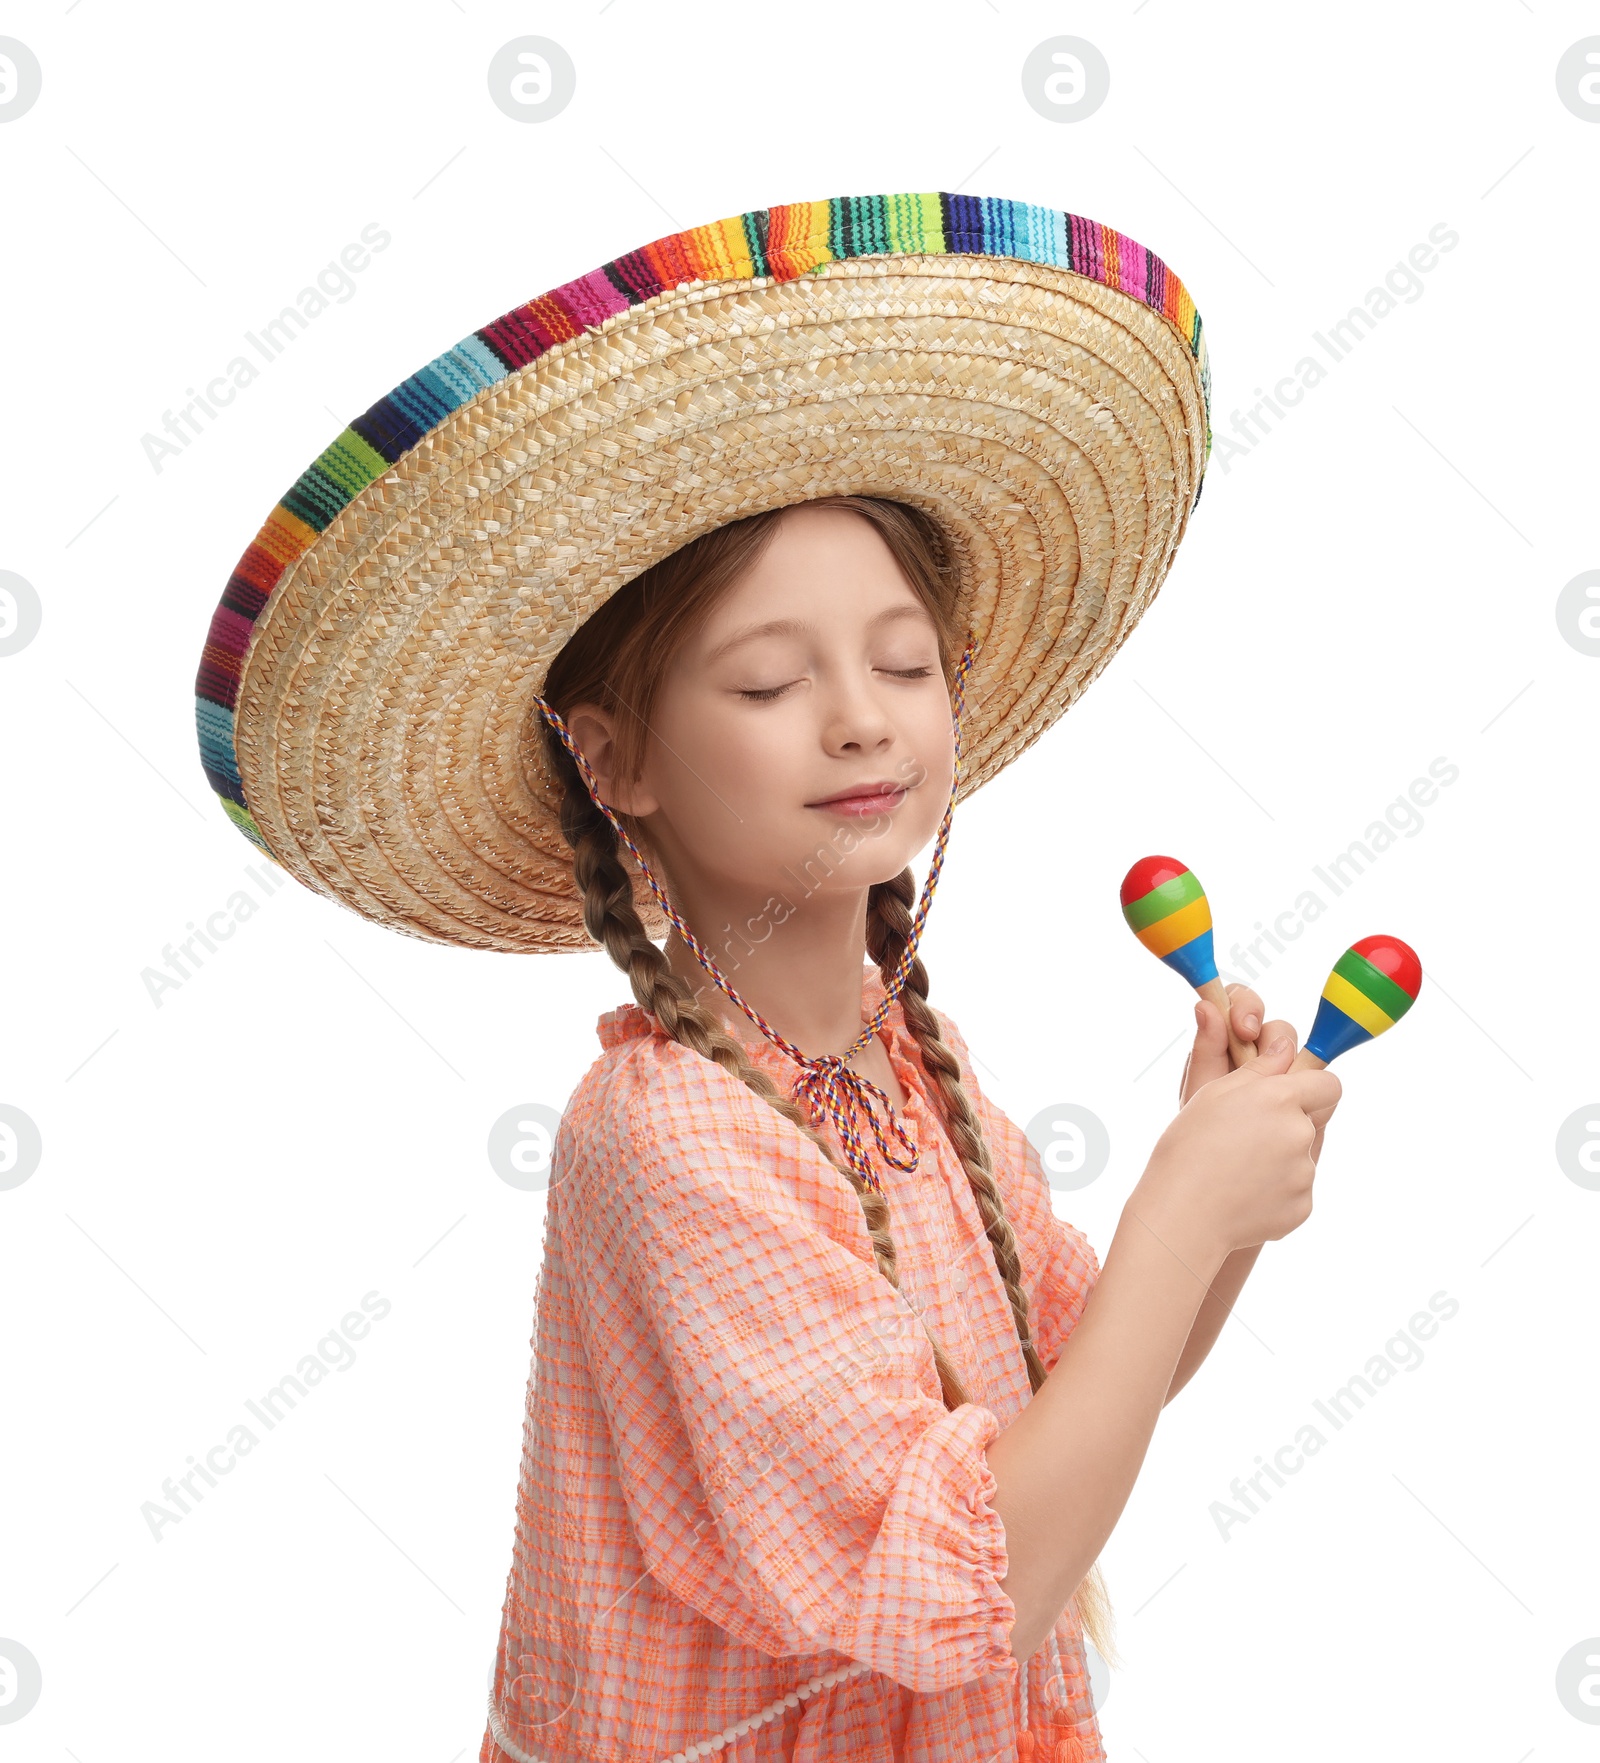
<point x="1319" y="1117"/>
<point x="1278" y="1030"/>
<point x="1272" y="1062"/>
<point x="1208" y="1058"/>
<point x="1317" y="1092"/>
<point x="1246" y="1011"/>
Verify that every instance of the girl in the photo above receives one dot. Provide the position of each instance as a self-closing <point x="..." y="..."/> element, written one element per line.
<point x="768" y="710"/>
<point x="685" y="601"/>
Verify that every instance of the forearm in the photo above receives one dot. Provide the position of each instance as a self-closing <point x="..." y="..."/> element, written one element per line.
<point x="1213" y="1312"/>
<point x="1065" y="1466"/>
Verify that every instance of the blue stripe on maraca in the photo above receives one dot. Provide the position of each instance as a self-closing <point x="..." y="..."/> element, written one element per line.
<point x="1333" y="1033"/>
<point x="1195" y="960"/>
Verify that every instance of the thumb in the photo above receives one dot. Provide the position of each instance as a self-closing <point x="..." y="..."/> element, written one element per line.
<point x="1209" y="1058"/>
<point x="1275" y="1058"/>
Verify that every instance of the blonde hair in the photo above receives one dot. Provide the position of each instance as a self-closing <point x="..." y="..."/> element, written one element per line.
<point x="616" y="659"/>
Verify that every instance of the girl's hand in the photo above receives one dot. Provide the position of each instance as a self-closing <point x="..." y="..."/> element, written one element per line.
<point x="1235" y="1167"/>
<point x="1209" y="1057"/>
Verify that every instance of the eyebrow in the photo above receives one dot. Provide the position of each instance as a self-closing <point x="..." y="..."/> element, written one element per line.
<point x="792" y="627"/>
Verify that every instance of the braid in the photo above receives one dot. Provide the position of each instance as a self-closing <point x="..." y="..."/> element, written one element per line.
<point x="612" y="919"/>
<point x="888" y="930"/>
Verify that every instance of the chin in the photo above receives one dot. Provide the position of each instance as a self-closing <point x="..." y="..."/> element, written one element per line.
<point x="879" y="854"/>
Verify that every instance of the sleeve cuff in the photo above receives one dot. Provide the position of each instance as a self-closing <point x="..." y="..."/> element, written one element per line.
<point x="932" y="1612"/>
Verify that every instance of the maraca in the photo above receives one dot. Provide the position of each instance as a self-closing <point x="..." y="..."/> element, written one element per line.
<point x="1373" y="984"/>
<point x="1167" y="910"/>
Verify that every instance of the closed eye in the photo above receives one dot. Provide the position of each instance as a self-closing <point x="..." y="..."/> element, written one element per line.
<point x="765" y="694"/>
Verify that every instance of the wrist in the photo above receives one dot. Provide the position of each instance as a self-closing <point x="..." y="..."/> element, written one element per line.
<point x="1179" y="1227"/>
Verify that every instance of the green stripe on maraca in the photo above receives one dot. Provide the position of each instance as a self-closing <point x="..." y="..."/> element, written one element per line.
<point x="1372" y="984"/>
<point x="1163" y="900"/>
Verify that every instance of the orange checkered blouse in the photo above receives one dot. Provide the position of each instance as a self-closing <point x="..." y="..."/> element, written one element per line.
<point x="747" y="1526"/>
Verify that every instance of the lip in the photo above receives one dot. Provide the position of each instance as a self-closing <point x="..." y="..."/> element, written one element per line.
<point x="873" y="798"/>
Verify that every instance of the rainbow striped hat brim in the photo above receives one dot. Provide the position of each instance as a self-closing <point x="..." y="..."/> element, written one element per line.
<point x="1034" y="380"/>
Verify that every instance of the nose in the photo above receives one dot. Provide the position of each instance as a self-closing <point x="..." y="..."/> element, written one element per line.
<point x="856" y="721"/>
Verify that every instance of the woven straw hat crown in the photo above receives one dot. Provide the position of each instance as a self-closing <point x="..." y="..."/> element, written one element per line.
<point x="1033" y="380"/>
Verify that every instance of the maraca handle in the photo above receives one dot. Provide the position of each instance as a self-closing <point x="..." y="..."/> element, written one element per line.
<point x="1304" y="1061"/>
<point x="1215" y="992"/>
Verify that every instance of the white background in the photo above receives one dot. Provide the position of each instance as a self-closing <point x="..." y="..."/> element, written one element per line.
<point x="1369" y="588"/>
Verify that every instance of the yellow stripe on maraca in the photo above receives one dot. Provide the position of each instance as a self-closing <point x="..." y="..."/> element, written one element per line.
<point x="1177" y="928"/>
<point x="1356" y="1005"/>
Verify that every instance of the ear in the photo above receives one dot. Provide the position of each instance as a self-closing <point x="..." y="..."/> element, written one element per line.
<point x="594" y="731"/>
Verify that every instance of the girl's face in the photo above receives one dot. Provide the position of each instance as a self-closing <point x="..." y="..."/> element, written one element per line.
<point x="818" y="673"/>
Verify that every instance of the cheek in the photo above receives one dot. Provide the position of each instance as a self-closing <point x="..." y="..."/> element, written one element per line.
<point x="773" y="779"/>
<point x="934" y="737"/>
<point x="940" y="748"/>
<point x="731" y="773"/>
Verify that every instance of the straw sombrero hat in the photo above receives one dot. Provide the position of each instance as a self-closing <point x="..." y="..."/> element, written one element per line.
<point x="1035" y="381"/>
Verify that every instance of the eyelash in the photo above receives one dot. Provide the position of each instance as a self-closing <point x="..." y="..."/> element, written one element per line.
<point x="766" y="694"/>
